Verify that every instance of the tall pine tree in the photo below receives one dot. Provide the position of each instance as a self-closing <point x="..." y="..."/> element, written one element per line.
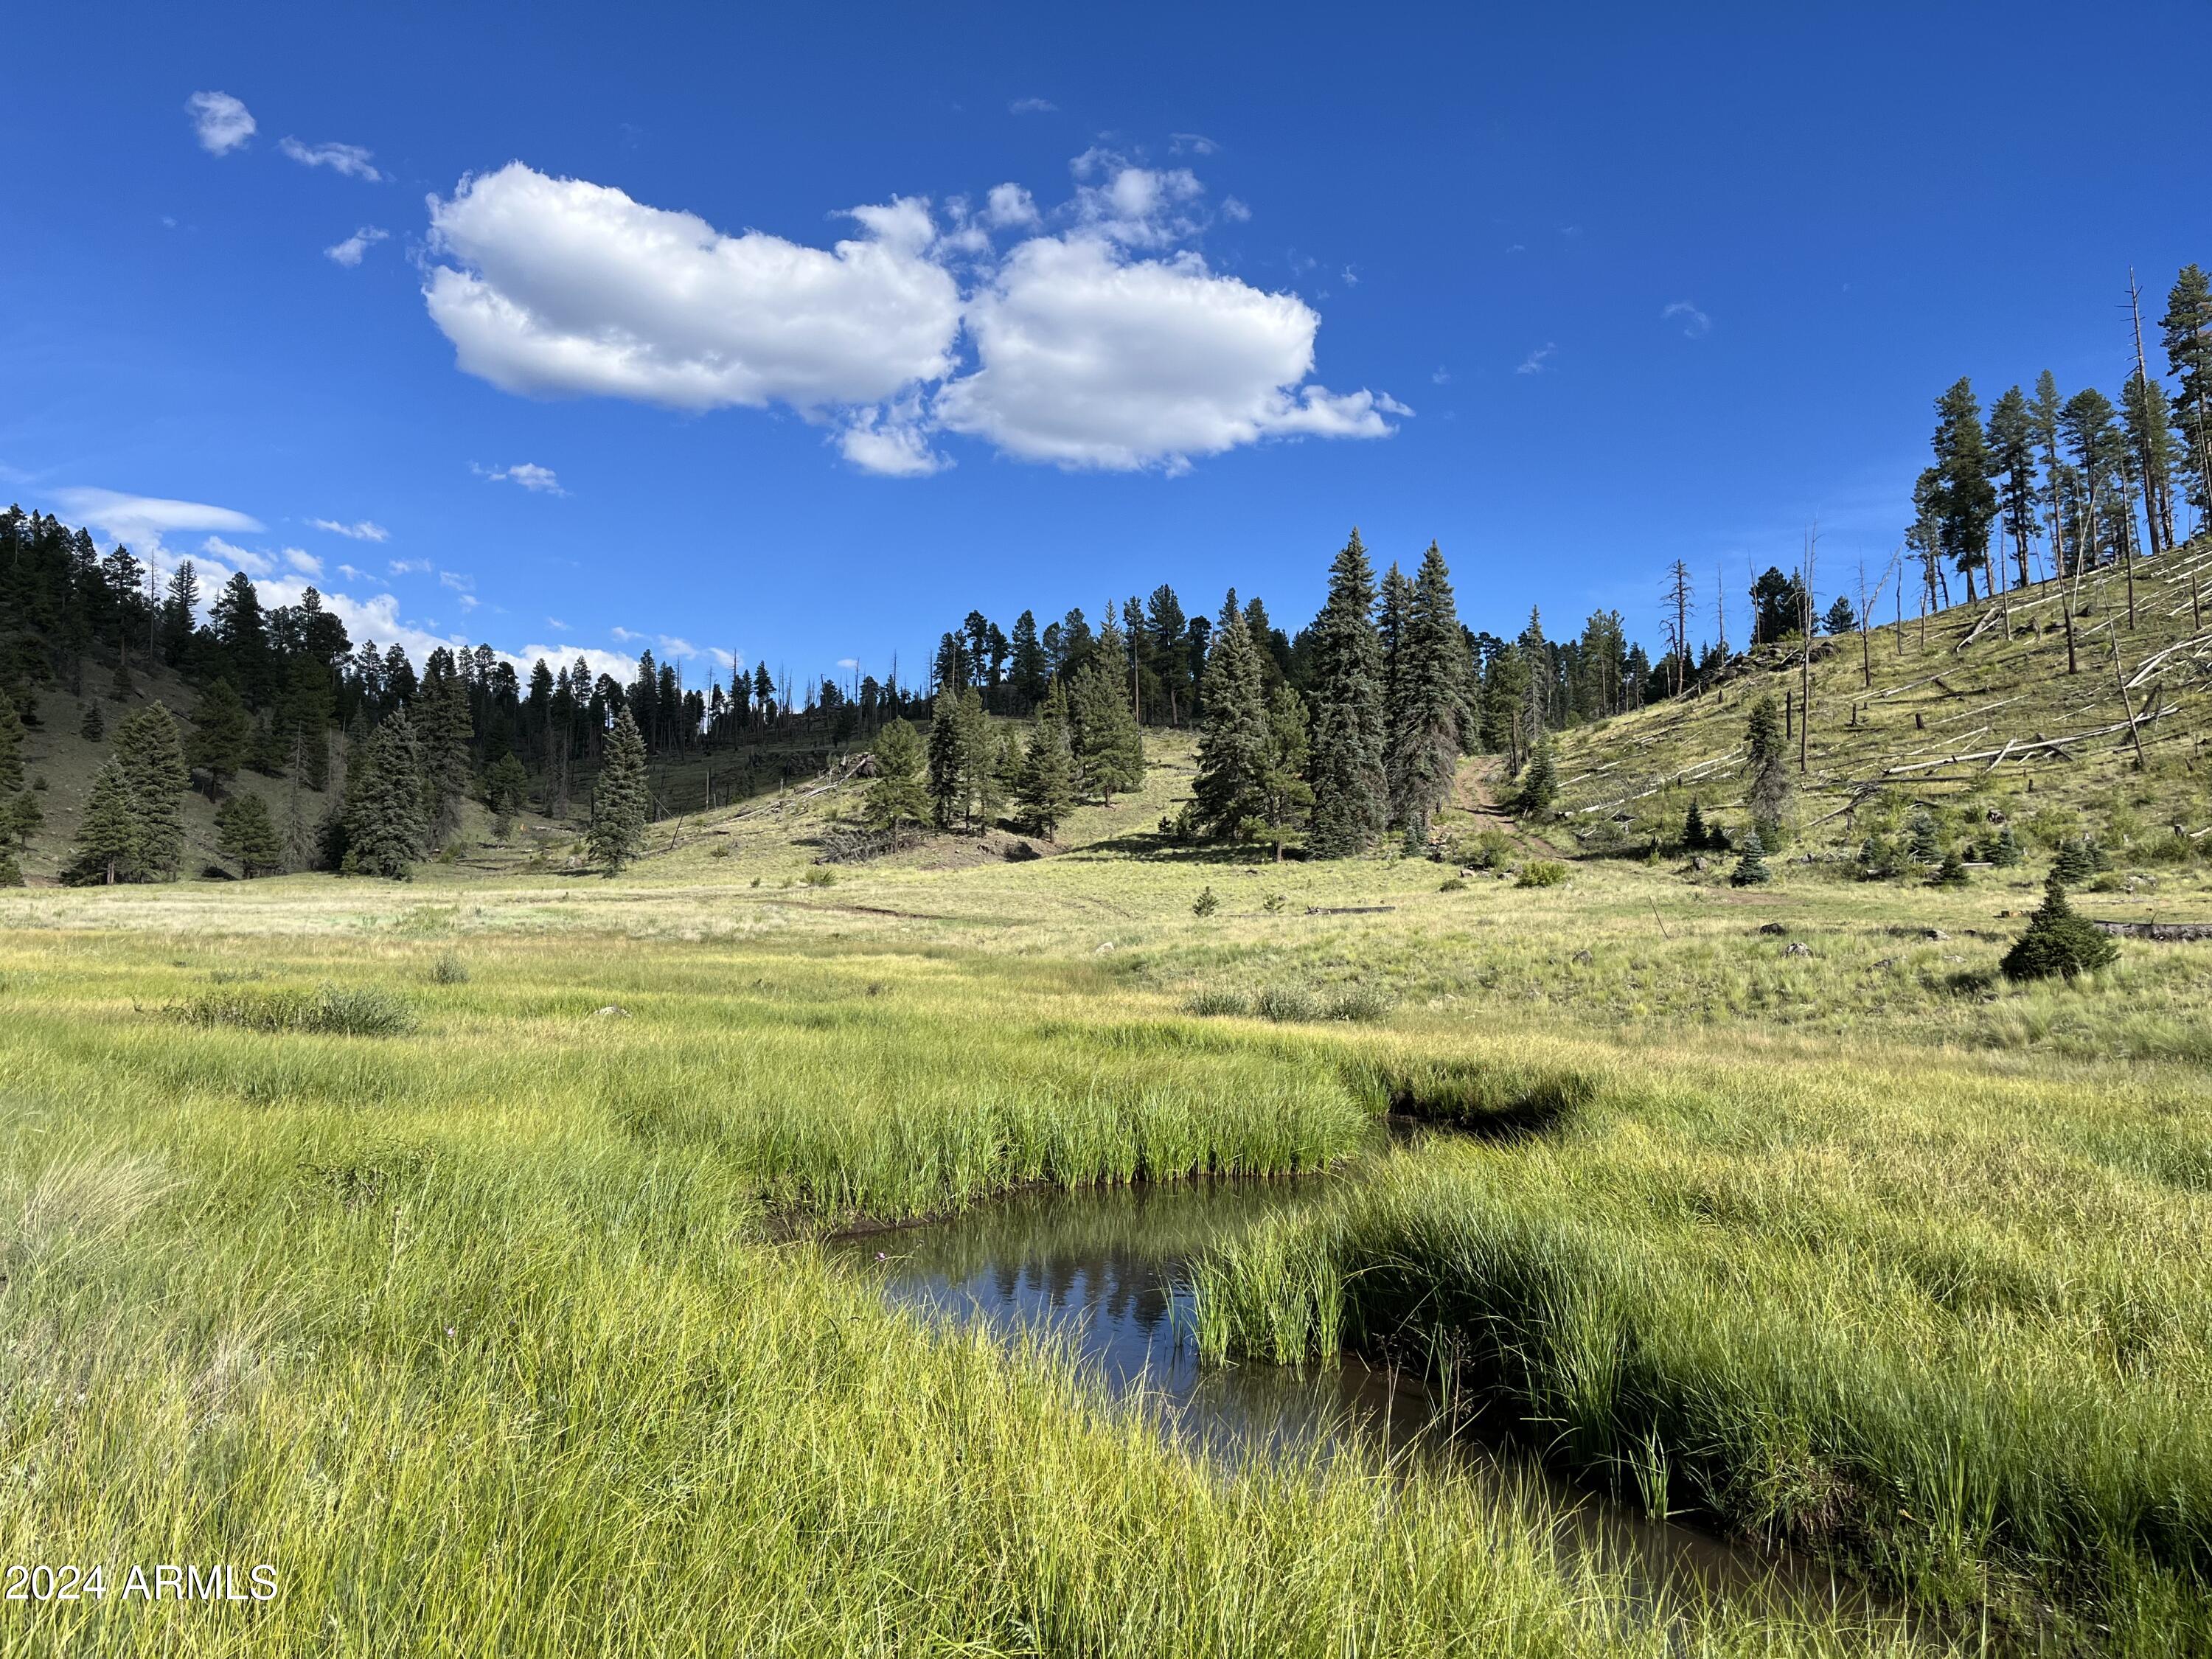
<point x="1429" y="708"/>
<point x="107" y="849"/>
<point x="1230" y="790"/>
<point x="384" y="828"/>
<point x="152" y="758"/>
<point x="1351" y="802"/>
<point x="620" y="802"/>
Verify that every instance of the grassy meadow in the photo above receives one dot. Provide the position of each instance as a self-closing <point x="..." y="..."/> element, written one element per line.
<point x="453" y="1245"/>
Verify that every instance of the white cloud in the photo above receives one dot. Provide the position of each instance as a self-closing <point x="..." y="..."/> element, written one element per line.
<point x="408" y="567"/>
<point x="221" y="122"/>
<point x="555" y="623"/>
<point x="730" y="659"/>
<point x="1442" y="377"/>
<point x="1088" y="359"/>
<point x="239" y="558"/>
<point x="348" y="252"/>
<point x="1032" y="106"/>
<point x="564" y="287"/>
<point x="362" y="531"/>
<point x="350" y="160"/>
<point x="140" y="521"/>
<point x="1233" y="208"/>
<point x="892" y="441"/>
<point x="1108" y="345"/>
<point x="612" y="664"/>
<point x="1196" y="144"/>
<point x="1695" y="323"/>
<point x="1009" y="205"/>
<point x="352" y="574"/>
<point x="456" y="580"/>
<point x="671" y="646"/>
<point x="624" y="635"/>
<point x="849" y="662"/>
<point x="1534" y="362"/>
<point x="539" y="480"/>
<point x="303" y="561"/>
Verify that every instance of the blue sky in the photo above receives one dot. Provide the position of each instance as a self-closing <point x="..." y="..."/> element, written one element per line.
<point x="1134" y="294"/>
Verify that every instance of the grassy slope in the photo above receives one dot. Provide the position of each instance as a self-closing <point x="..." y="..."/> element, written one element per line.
<point x="1927" y="699"/>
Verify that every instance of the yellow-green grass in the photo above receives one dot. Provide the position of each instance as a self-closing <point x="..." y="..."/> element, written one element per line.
<point x="480" y="1334"/>
<point x="1917" y="698"/>
<point x="1951" y="1325"/>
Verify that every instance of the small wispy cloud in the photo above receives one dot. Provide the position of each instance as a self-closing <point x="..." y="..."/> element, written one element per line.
<point x="1517" y="247"/>
<point x="408" y="567"/>
<point x="849" y="662"/>
<point x="673" y="646"/>
<point x="355" y="573"/>
<point x="239" y="558"/>
<point x="348" y="252"/>
<point x="1032" y="106"/>
<point x="625" y="636"/>
<point x="531" y="475"/>
<point x="557" y="624"/>
<point x="1694" y="322"/>
<point x="1534" y="362"/>
<point x="1196" y="144"/>
<point x="1232" y="208"/>
<point x="303" y="561"/>
<point x="351" y="160"/>
<point x="362" y="531"/>
<point x="1442" y="377"/>
<point x="456" y="580"/>
<point x="220" y="121"/>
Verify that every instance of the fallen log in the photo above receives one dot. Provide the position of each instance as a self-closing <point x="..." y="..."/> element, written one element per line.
<point x="1348" y="909"/>
<point x="2166" y="931"/>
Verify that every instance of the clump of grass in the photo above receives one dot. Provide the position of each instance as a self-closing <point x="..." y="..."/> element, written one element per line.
<point x="449" y="970"/>
<point x="1453" y="884"/>
<point x="1541" y="872"/>
<point x="1286" y="1003"/>
<point x="1216" y="1001"/>
<point x="820" y="875"/>
<point x="328" y="1010"/>
<point x="1360" y="1004"/>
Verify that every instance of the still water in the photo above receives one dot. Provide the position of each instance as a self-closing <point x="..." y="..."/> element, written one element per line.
<point x="1100" y="1271"/>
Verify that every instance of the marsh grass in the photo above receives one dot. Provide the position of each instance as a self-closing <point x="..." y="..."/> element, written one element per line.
<point x="357" y="1011"/>
<point x="478" y="1335"/>
<point x="1953" y="1330"/>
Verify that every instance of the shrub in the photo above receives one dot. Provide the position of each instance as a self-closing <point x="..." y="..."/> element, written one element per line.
<point x="449" y="970"/>
<point x="1541" y="872"/>
<point x="1205" y="903"/>
<point x="1952" y="873"/>
<point x="1488" y="850"/>
<point x="2057" y="944"/>
<point x="1877" y="858"/>
<point x="330" y="1011"/>
<point x="1453" y="884"/>
<point x="819" y="875"/>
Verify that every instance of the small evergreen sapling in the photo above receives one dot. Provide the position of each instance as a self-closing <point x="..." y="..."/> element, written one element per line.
<point x="1952" y="873"/>
<point x="1205" y="903"/>
<point x="1751" y="869"/>
<point x="2058" y="944"/>
<point x="93" y="729"/>
<point x="1695" y="837"/>
<point x="1926" y="845"/>
<point x="1540" y="781"/>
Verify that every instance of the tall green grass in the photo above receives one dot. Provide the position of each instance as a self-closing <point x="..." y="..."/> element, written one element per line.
<point x="1956" y="1330"/>
<point x="479" y="1364"/>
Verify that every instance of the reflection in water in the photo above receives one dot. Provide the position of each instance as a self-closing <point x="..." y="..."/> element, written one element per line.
<point x="1100" y="1271"/>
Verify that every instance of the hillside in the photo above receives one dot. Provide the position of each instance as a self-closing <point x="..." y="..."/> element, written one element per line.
<point x="1970" y="712"/>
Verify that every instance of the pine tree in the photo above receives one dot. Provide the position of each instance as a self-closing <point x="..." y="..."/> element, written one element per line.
<point x="11" y="745"/>
<point x="1540" y="780"/>
<point x="1694" y="833"/>
<point x="2057" y="944"/>
<point x="1351" y="802"/>
<point x="1841" y="618"/>
<point x="244" y="835"/>
<point x="107" y="849"/>
<point x="152" y="758"/>
<point x="2087" y="424"/>
<point x="507" y="788"/>
<point x="1751" y="869"/>
<point x="1109" y="752"/>
<point x="222" y="733"/>
<point x="1232" y="744"/>
<point x="384" y="828"/>
<point x="1767" y="762"/>
<point x="2187" y="330"/>
<point x="948" y="788"/>
<point x="620" y="802"/>
<point x="2044" y="414"/>
<point x="1965" y="502"/>
<point x="897" y="797"/>
<point x="2012" y="436"/>
<point x="19" y="819"/>
<point x="1922" y="841"/>
<point x="978" y="752"/>
<point x="445" y="731"/>
<point x="92" y="728"/>
<point x="1044" y="793"/>
<point x="1428" y="711"/>
<point x="1285" y="797"/>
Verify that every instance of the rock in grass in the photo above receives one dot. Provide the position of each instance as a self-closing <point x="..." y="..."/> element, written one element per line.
<point x="612" y="1011"/>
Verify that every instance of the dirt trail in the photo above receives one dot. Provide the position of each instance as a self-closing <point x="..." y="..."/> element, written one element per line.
<point x="1475" y="791"/>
